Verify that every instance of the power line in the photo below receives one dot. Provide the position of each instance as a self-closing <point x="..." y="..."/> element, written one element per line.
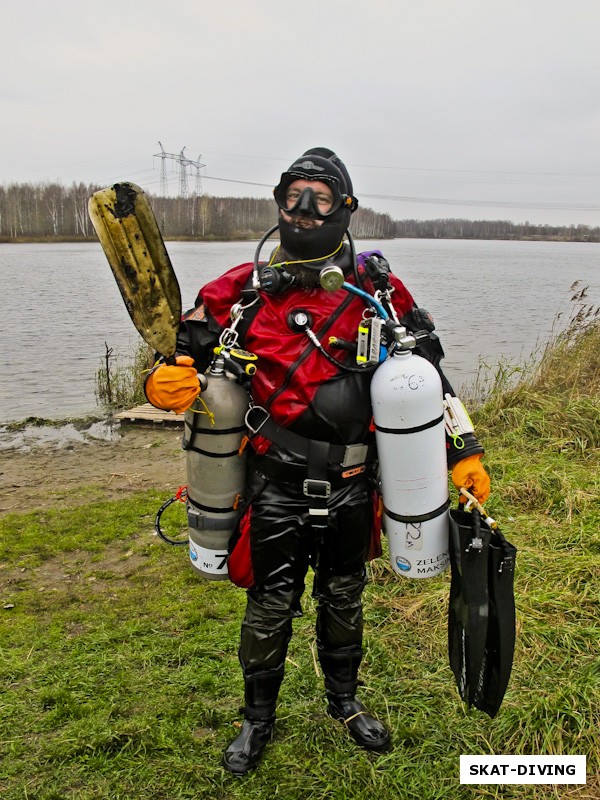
<point x="510" y="204"/>
<point x="545" y="174"/>
<point x="234" y="180"/>
<point x="404" y="168"/>
<point x="484" y="203"/>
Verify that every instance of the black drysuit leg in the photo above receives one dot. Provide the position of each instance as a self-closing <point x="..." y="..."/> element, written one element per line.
<point x="283" y="544"/>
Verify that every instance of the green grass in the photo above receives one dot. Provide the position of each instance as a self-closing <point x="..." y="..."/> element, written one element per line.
<point x="118" y="668"/>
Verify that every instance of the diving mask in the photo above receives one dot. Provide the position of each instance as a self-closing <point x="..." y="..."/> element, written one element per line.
<point x="308" y="202"/>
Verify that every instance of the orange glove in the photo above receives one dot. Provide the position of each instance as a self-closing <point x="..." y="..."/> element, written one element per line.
<point x="470" y="474"/>
<point x="173" y="388"/>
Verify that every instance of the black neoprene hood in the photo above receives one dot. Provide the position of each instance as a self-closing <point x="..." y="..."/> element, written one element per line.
<point x="317" y="164"/>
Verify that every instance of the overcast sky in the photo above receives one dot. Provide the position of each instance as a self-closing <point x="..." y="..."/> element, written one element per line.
<point x="481" y="109"/>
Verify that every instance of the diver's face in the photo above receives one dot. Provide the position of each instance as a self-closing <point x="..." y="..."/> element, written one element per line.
<point x="323" y="197"/>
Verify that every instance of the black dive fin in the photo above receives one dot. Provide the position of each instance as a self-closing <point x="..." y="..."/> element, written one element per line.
<point x="500" y="644"/>
<point x="481" y="613"/>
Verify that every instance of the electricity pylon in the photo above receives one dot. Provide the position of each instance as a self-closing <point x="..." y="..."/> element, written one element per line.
<point x="185" y="163"/>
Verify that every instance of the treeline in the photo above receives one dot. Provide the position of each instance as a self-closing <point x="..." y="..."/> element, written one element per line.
<point x="40" y="211"/>
<point x="53" y="211"/>
<point x="492" y="229"/>
<point x="45" y="210"/>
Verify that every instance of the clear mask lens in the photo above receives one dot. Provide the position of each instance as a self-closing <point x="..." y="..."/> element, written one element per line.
<point x="307" y="202"/>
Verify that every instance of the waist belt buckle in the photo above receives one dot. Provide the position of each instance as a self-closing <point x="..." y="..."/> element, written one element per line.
<point x="250" y="413"/>
<point x="315" y="488"/>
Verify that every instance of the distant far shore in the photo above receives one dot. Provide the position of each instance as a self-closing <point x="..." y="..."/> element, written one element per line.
<point x="55" y="213"/>
<point x="574" y="237"/>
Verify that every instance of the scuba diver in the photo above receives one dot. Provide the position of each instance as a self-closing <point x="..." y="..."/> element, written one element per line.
<point x="311" y="494"/>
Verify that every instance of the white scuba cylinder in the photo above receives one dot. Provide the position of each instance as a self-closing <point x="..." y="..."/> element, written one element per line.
<point x="407" y="400"/>
<point x="214" y="429"/>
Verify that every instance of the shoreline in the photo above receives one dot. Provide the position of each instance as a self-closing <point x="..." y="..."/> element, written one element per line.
<point x="59" y="469"/>
<point x="582" y="239"/>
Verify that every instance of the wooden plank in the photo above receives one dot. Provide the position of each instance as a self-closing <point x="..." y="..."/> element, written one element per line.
<point x="148" y="414"/>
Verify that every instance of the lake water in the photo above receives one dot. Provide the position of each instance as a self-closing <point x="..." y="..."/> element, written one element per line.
<point x="60" y="304"/>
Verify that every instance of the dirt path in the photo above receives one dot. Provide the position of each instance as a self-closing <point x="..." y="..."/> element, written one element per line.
<point x="52" y="473"/>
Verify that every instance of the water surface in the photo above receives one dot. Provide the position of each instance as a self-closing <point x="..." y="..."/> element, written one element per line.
<point x="61" y="305"/>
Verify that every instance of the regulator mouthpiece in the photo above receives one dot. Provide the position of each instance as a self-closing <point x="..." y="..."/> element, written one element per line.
<point x="331" y="279"/>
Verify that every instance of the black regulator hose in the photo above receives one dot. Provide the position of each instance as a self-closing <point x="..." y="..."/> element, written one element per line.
<point x="268" y="234"/>
<point x="271" y="231"/>
<point x="341" y="365"/>
<point x="357" y="276"/>
<point x="180" y="496"/>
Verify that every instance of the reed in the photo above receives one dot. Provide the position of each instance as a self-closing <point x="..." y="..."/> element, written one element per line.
<point x="120" y="378"/>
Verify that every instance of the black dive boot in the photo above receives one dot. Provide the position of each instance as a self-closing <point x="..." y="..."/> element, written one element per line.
<point x="261" y="690"/>
<point x="340" y="668"/>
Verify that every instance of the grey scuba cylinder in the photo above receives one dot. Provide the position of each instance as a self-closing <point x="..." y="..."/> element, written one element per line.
<point x="214" y="429"/>
<point x="407" y="400"/>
